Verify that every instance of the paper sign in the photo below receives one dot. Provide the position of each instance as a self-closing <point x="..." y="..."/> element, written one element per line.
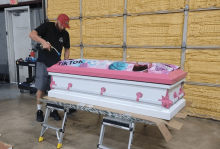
<point x="13" y="2"/>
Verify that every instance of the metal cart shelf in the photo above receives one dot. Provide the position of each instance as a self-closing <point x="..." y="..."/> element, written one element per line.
<point x="20" y="85"/>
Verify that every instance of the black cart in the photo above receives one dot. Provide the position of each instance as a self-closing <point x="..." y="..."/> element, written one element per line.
<point x="31" y="79"/>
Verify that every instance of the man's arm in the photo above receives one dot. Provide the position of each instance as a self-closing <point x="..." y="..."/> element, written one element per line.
<point x="67" y="53"/>
<point x="34" y="36"/>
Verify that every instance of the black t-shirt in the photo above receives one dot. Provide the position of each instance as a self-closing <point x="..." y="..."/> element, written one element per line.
<point x="58" y="40"/>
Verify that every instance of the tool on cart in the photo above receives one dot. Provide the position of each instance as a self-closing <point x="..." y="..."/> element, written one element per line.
<point x="52" y="47"/>
<point x="31" y="57"/>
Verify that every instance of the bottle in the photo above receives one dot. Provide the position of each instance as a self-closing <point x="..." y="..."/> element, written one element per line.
<point x="32" y="54"/>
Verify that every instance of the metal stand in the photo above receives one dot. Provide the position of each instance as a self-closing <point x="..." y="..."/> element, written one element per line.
<point x="118" y="123"/>
<point x="45" y="126"/>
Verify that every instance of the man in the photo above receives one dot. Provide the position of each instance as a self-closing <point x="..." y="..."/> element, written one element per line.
<point x="49" y="34"/>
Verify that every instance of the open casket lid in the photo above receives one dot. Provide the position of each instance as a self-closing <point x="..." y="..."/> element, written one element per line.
<point x="170" y="78"/>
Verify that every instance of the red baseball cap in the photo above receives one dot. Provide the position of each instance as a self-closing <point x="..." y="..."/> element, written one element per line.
<point x="64" y="20"/>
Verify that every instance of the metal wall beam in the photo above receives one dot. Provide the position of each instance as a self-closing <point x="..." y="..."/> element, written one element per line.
<point x="81" y="23"/>
<point x="125" y="33"/>
<point x="106" y="16"/>
<point x="205" y="9"/>
<point x="203" y="47"/>
<point x="156" y="12"/>
<point x="156" y="47"/>
<point x="202" y="84"/>
<point x="103" y="46"/>
<point x="185" y="26"/>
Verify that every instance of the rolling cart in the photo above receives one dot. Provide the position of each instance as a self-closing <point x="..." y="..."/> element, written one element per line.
<point x="26" y="85"/>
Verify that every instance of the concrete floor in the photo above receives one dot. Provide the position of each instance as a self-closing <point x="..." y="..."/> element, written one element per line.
<point x="19" y="128"/>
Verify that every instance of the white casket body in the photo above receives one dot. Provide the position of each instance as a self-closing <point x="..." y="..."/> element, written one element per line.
<point x="145" y="98"/>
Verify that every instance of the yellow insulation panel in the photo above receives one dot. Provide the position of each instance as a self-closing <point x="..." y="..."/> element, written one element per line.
<point x="204" y="28"/>
<point x="74" y="53"/>
<point x="155" y="30"/>
<point x="103" y="31"/>
<point x="103" y="53"/>
<point x="102" y="7"/>
<point x="203" y="66"/>
<point x="170" y="56"/>
<point x="195" y="4"/>
<point x="138" y="6"/>
<point x="56" y="7"/>
<point x="74" y="32"/>
<point x="205" y="101"/>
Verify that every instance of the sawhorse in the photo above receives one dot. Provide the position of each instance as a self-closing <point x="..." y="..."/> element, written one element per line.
<point x="118" y="123"/>
<point x="45" y="126"/>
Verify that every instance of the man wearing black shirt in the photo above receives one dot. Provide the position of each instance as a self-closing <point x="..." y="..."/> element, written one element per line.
<point x="49" y="34"/>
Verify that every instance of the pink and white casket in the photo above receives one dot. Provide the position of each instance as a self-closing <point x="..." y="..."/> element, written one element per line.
<point x="151" y="94"/>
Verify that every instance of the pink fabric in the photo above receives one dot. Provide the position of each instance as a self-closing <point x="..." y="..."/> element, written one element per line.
<point x="159" y="68"/>
<point x="162" y="68"/>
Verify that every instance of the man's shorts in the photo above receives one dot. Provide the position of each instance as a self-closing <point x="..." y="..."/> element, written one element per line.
<point x="42" y="79"/>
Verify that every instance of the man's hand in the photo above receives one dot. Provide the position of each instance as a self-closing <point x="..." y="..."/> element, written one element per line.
<point x="34" y="36"/>
<point x="46" y="45"/>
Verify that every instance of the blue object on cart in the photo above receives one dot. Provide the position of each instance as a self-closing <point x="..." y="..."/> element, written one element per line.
<point x="25" y="84"/>
<point x="31" y="59"/>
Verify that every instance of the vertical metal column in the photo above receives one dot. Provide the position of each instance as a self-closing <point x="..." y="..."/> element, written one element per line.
<point x="81" y="43"/>
<point x="185" y="26"/>
<point x="125" y="33"/>
<point x="45" y="10"/>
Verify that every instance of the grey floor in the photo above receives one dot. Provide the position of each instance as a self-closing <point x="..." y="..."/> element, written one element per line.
<point x="19" y="128"/>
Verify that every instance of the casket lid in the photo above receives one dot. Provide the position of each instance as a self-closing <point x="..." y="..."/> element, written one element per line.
<point x="170" y="78"/>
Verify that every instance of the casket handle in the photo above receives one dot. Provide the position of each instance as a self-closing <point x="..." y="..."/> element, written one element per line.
<point x="69" y="86"/>
<point x="139" y="95"/>
<point x="180" y="92"/>
<point x="102" y="90"/>
<point x="166" y="102"/>
<point x="52" y="83"/>
<point x="175" y="95"/>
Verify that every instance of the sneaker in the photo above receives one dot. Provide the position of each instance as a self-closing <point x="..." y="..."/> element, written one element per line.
<point x="55" y="115"/>
<point x="40" y="116"/>
<point x="72" y="111"/>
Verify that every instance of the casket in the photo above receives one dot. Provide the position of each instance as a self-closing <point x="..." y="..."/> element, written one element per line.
<point x="155" y="95"/>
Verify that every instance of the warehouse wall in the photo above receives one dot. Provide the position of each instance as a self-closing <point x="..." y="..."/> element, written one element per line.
<point x="152" y="31"/>
<point x="203" y="65"/>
